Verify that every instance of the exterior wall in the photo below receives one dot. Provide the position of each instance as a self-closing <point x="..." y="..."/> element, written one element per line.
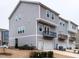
<point x="0" y="39"/>
<point x="25" y="18"/>
<point x="62" y="29"/>
<point x="28" y="14"/>
<point x="46" y="43"/>
<point x="43" y="15"/>
<point x="72" y="31"/>
<point x="70" y="27"/>
<point x="77" y="40"/>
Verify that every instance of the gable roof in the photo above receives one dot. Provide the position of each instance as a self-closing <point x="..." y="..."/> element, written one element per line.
<point x="32" y="2"/>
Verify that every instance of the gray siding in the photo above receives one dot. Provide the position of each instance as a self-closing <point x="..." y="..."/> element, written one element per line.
<point x="62" y="28"/>
<point x="44" y="16"/>
<point x="77" y="39"/>
<point x="28" y="14"/>
<point x="42" y="42"/>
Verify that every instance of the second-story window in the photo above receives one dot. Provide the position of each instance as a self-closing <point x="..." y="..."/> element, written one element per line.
<point x="63" y="24"/>
<point x="73" y="27"/>
<point x="52" y="16"/>
<point x="60" y="23"/>
<point x="40" y="27"/>
<point x="47" y="13"/>
<point x="45" y="29"/>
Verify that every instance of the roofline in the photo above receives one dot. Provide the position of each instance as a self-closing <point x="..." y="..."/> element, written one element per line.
<point x="49" y="8"/>
<point x="14" y="10"/>
<point x="73" y="23"/>
<point x="4" y="29"/>
<point x="63" y="19"/>
<point x="68" y="21"/>
<point x="33" y="2"/>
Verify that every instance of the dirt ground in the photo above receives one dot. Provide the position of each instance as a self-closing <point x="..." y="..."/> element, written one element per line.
<point x="64" y="54"/>
<point x="16" y="53"/>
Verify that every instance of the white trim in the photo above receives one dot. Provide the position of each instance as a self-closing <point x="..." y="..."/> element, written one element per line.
<point x="46" y="21"/>
<point x="48" y="12"/>
<point x="39" y="11"/>
<point x="36" y="36"/>
<point x="24" y="36"/>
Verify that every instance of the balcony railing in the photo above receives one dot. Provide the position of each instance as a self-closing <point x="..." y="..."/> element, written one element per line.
<point x="72" y="38"/>
<point x="49" y="34"/>
<point x="62" y="36"/>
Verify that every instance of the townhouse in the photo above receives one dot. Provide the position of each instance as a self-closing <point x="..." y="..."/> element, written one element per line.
<point x="62" y="33"/>
<point x="37" y="25"/>
<point x="4" y="36"/>
<point x="77" y="40"/>
<point x="67" y="33"/>
<point x="72" y="32"/>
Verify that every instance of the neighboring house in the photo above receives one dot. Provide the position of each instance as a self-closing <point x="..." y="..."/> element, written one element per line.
<point x="62" y="33"/>
<point x="35" y="24"/>
<point x="67" y="31"/>
<point x="4" y="36"/>
<point x="72" y="31"/>
<point x="77" y="40"/>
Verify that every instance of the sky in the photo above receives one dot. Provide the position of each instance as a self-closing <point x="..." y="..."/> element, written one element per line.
<point x="67" y="9"/>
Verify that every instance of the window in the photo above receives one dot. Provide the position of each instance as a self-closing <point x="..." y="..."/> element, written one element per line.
<point x="63" y="24"/>
<point x="18" y="18"/>
<point x="21" y="29"/>
<point x="40" y="29"/>
<point x="60" y="23"/>
<point x="47" y="13"/>
<point x="52" y="16"/>
<point x="47" y="30"/>
<point x="73" y="27"/>
<point x="18" y="30"/>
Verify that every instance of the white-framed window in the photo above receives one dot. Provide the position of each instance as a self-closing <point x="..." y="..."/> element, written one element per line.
<point x="40" y="27"/>
<point x="17" y="18"/>
<point x="47" y="13"/>
<point x="73" y="27"/>
<point x="63" y="24"/>
<point x="60" y="23"/>
<point x="21" y="29"/>
<point x="52" y="16"/>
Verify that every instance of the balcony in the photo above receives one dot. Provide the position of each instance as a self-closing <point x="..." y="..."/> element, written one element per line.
<point x="49" y="34"/>
<point x="62" y="37"/>
<point x="72" y="38"/>
<point x="47" y="22"/>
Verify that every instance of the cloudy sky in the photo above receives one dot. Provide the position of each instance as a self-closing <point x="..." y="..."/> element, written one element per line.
<point x="69" y="9"/>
